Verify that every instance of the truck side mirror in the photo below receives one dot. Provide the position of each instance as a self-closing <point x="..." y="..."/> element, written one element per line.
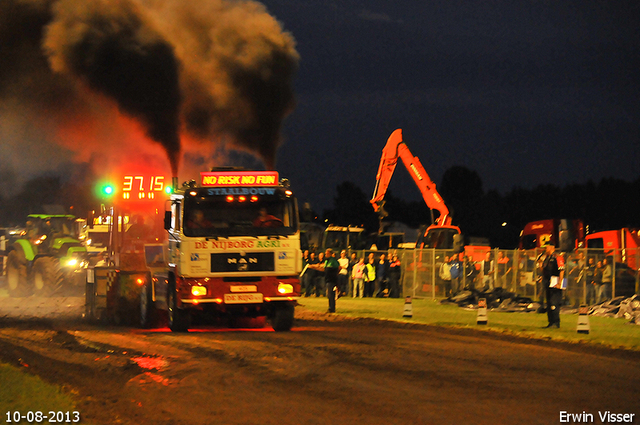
<point x="167" y="220"/>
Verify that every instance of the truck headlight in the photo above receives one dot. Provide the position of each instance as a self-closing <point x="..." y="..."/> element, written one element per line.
<point x="198" y="291"/>
<point x="285" y="288"/>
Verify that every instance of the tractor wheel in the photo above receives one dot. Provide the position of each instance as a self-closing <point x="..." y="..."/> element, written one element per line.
<point x="17" y="274"/>
<point x="178" y="318"/>
<point x="47" y="276"/>
<point x="282" y="319"/>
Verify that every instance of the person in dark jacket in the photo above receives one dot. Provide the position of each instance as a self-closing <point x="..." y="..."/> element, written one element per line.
<point x="311" y="274"/>
<point x="456" y="270"/>
<point x="395" y="272"/>
<point x="590" y="281"/>
<point x="552" y="275"/>
<point x="320" y="286"/>
<point x="330" y="267"/>
<point x="382" y="274"/>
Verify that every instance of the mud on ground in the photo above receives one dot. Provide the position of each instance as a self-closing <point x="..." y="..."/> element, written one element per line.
<point x="328" y="369"/>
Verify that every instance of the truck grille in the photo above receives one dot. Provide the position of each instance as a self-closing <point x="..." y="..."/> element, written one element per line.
<point x="246" y="262"/>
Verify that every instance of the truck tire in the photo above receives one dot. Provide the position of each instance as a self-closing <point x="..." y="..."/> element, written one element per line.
<point x="47" y="276"/>
<point x="178" y="318"/>
<point x="127" y="312"/>
<point x="148" y="311"/>
<point x="17" y="274"/>
<point x="282" y="319"/>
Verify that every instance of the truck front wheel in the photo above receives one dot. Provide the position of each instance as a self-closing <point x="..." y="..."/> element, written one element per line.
<point x="17" y="274"/>
<point x="178" y="318"/>
<point x="282" y="318"/>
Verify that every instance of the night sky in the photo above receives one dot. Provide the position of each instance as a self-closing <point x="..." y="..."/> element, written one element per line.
<point x="523" y="92"/>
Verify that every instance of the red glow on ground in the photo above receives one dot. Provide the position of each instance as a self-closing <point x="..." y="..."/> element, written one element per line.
<point x="157" y="363"/>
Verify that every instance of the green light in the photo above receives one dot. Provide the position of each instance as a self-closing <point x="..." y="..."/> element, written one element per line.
<point x="106" y="190"/>
<point x="168" y="190"/>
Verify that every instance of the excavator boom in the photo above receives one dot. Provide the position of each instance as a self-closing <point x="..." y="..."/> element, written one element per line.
<point x="394" y="149"/>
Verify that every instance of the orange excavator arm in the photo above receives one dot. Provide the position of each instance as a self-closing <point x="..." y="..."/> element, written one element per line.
<point x="394" y="149"/>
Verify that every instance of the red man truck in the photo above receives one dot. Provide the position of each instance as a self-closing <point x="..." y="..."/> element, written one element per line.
<point x="233" y="250"/>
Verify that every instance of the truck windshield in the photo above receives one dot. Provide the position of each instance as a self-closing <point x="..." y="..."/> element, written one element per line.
<point x="529" y="242"/>
<point x="99" y="239"/>
<point x="54" y="226"/>
<point x="207" y="215"/>
<point x="339" y="240"/>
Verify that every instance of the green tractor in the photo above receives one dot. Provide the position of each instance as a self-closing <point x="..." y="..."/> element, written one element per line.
<point x="48" y="258"/>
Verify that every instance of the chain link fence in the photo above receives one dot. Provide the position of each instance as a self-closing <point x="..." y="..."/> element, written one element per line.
<point x="515" y="271"/>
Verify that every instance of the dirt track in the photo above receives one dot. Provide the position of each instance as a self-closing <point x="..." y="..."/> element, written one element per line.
<point x="327" y="370"/>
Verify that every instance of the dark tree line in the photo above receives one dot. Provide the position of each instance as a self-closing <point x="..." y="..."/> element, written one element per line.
<point x="44" y="192"/>
<point x="609" y="204"/>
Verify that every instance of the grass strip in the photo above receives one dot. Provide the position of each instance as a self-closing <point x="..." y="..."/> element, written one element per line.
<point x="606" y="331"/>
<point x="22" y="392"/>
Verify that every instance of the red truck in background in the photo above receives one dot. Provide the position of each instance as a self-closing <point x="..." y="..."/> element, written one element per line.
<point x="564" y="234"/>
<point x="568" y="235"/>
<point x="623" y="244"/>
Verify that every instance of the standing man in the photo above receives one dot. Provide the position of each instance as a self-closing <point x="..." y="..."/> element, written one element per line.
<point x="504" y="270"/>
<point x="369" y="276"/>
<point x="456" y="271"/>
<point x="445" y="274"/>
<point x="395" y="272"/>
<point x="352" y="262"/>
<point x="311" y="274"/>
<point x="330" y="267"/>
<point x="304" y="277"/>
<point x="320" y="286"/>
<point x="552" y="268"/>
<point x="486" y="272"/>
<point x="607" y="279"/>
<point x="382" y="273"/>
<point x="597" y="280"/>
<point x="357" y="276"/>
<point x="590" y="281"/>
<point x="343" y="275"/>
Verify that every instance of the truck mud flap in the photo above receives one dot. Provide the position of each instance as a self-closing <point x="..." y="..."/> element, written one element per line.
<point x="99" y="281"/>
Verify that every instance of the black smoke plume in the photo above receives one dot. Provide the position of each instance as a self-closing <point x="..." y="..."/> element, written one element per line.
<point x="207" y="69"/>
<point x="108" y="45"/>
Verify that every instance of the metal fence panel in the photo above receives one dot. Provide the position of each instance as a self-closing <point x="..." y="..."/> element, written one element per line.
<point x="515" y="271"/>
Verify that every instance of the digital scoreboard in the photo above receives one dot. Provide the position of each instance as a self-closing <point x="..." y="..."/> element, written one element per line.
<point x="135" y="188"/>
<point x="141" y="187"/>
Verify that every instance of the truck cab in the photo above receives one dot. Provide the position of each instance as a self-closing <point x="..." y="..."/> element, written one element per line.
<point x="564" y="234"/>
<point x="233" y="250"/>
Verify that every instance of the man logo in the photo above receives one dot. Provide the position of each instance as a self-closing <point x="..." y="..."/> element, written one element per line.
<point x="195" y="256"/>
<point x="282" y="256"/>
<point x="242" y="262"/>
